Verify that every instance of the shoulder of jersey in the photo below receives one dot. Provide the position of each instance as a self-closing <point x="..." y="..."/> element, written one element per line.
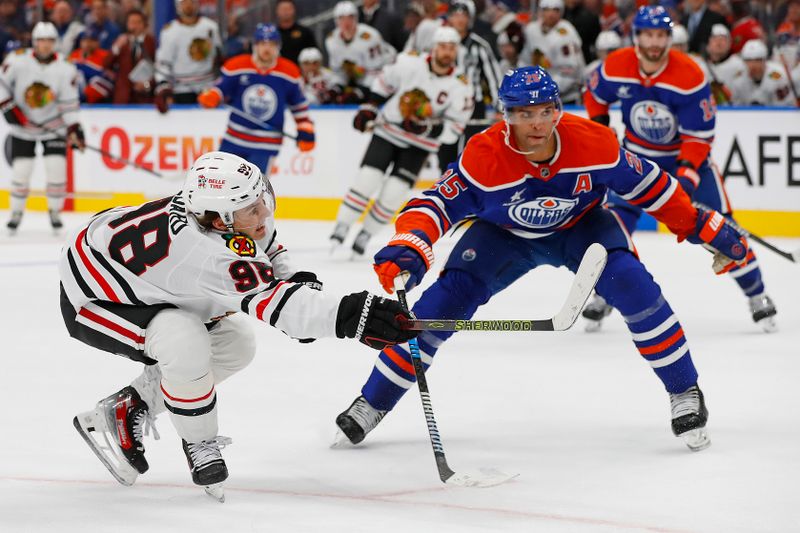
<point x="682" y="72"/>
<point x="288" y="67"/>
<point x="621" y="63"/>
<point x="365" y="31"/>
<point x="238" y="63"/>
<point x="586" y="144"/>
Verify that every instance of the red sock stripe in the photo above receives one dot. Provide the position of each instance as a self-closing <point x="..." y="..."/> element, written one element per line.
<point x="663" y="345"/>
<point x="399" y="360"/>
<point x="186" y="400"/>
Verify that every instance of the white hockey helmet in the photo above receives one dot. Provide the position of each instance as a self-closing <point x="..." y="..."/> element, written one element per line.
<point x="44" y="30"/>
<point x="608" y="40"/>
<point x="223" y="183"/>
<point x="754" y="49"/>
<point x="345" y="8"/>
<point x="552" y="4"/>
<point x="720" y="30"/>
<point x="679" y="35"/>
<point x="309" y="55"/>
<point x="446" y="34"/>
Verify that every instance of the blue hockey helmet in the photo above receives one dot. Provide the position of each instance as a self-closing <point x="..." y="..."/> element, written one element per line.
<point x="528" y="86"/>
<point x="267" y="32"/>
<point x="652" y="18"/>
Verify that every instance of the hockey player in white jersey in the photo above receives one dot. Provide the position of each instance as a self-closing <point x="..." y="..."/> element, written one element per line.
<point x="356" y="53"/>
<point x="553" y="43"/>
<point x="765" y="82"/>
<point x="39" y="100"/>
<point x="426" y="103"/>
<point x="187" y="58"/>
<point x="159" y="283"/>
<point x="719" y="65"/>
<point x="319" y="82"/>
<point x="607" y="41"/>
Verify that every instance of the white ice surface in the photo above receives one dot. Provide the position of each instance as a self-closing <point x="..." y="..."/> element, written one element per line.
<point x="579" y="416"/>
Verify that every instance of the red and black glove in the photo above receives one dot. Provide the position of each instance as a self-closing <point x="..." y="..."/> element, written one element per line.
<point x="366" y="115"/>
<point x="372" y="320"/>
<point x="687" y="176"/>
<point x="163" y="97"/>
<point x="13" y="114"/>
<point x="75" y="136"/>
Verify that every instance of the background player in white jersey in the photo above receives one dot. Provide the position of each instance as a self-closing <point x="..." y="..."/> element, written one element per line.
<point x="319" y="81"/>
<point x="39" y="99"/>
<point x="554" y="44"/>
<point x="680" y="39"/>
<point x="720" y="66"/>
<point x="356" y="53"/>
<point x="765" y="82"/>
<point x="426" y="103"/>
<point x="187" y="57"/>
<point x="158" y="283"/>
<point x="606" y="42"/>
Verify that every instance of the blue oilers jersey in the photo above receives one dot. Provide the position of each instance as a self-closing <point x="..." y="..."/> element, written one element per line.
<point x="492" y="182"/>
<point x="668" y="116"/>
<point x="264" y="95"/>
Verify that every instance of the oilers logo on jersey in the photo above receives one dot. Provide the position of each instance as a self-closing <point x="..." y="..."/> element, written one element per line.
<point x="260" y="101"/>
<point x="542" y="212"/>
<point x="653" y="121"/>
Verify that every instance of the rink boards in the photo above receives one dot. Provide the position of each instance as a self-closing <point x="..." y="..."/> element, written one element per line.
<point x="757" y="151"/>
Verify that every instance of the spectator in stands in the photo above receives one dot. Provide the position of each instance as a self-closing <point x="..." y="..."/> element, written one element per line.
<point x="294" y="37"/>
<point x="586" y="23"/>
<point x="744" y="27"/>
<point x="67" y="26"/>
<point x="481" y="27"/>
<point x="787" y="36"/>
<point x="387" y="22"/>
<point x="235" y="43"/>
<point x="413" y="16"/>
<point x="766" y="82"/>
<point x="133" y="57"/>
<point x="95" y="82"/>
<point x="698" y="22"/>
<point x="98" y="19"/>
<point x="721" y="67"/>
<point x="503" y="16"/>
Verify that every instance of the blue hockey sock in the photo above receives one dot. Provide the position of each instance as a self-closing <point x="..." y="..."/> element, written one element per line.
<point x="748" y="277"/>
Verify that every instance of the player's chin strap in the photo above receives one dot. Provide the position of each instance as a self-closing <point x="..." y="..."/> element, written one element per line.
<point x="507" y="135"/>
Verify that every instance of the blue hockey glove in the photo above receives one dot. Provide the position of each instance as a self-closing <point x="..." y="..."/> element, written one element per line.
<point x="712" y="230"/>
<point x="410" y="252"/>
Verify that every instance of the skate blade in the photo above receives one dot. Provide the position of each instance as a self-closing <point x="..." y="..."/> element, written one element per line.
<point x="481" y="478"/>
<point x="341" y="441"/>
<point x="216" y="491"/>
<point x="696" y="439"/>
<point x="768" y="324"/>
<point x="122" y="472"/>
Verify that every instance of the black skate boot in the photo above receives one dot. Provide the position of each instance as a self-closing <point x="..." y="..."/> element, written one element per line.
<point x="122" y="420"/>
<point x="763" y="310"/>
<point x="360" y="244"/>
<point x="207" y="465"/>
<point x="595" y="311"/>
<point x="55" y="220"/>
<point x="14" y="221"/>
<point x="689" y="417"/>
<point x="356" y="422"/>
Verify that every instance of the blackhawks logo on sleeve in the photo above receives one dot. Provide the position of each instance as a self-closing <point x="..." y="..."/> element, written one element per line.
<point x="241" y="244"/>
<point x="38" y="95"/>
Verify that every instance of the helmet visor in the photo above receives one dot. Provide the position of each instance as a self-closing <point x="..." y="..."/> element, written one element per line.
<point x="539" y="114"/>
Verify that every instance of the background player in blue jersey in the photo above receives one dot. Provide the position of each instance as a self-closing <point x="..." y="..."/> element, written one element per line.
<point x="534" y="185"/>
<point x="669" y="117"/>
<point x="261" y="85"/>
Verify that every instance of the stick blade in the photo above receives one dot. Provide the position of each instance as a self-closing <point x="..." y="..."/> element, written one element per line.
<point x="589" y="271"/>
<point x="480" y="478"/>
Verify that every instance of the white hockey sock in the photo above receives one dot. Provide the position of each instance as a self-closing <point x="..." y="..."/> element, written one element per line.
<point x="148" y="385"/>
<point x="192" y="407"/>
<point x="393" y="195"/>
<point x="22" y="168"/>
<point x="56" y="168"/>
<point x="357" y="198"/>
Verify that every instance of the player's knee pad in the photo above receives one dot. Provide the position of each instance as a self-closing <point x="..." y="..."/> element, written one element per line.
<point x="22" y="168"/>
<point x="233" y="346"/>
<point x="180" y="343"/>
<point x="55" y="167"/>
<point x="626" y="284"/>
<point x="367" y="181"/>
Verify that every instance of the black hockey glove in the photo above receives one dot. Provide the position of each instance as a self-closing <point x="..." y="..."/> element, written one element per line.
<point x="309" y="279"/>
<point x="366" y="115"/>
<point x="163" y="97"/>
<point x="13" y="114"/>
<point x="76" y="137"/>
<point x="372" y="320"/>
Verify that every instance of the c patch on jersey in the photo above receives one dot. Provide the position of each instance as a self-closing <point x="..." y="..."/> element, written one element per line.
<point x="38" y="95"/>
<point x="260" y="101"/>
<point x="241" y="244"/>
<point x="544" y="212"/>
<point x="653" y="121"/>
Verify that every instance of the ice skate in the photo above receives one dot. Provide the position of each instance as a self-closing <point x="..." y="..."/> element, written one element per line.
<point x="763" y="310"/>
<point x="13" y="222"/>
<point x="595" y="311"/>
<point x="360" y="244"/>
<point x="356" y="422"/>
<point x="689" y="417"/>
<point x="121" y="420"/>
<point x="339" y="235"/>
<point x="55" y="221"/>
<point x="207" y="465"/>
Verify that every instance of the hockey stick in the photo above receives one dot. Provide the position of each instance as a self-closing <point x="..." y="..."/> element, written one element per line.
<point x="589" y="271"/>
<point x="254" y="120"/>
<point x="483" y="477"/>
<point x="793" y="256"/>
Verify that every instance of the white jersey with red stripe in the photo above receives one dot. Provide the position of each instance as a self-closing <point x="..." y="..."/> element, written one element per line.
<point x="154" y="254"/>
<point x="361" y="58"/>
<point x="45" y="91"/>
<point x="187" y="55"/>
<point x="450" y="97"/>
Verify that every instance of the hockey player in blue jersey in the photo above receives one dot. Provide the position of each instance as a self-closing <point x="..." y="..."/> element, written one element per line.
<point x="534" y="185"/>
<point x="669" y="117"/>
<point x="261" y="85"/>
